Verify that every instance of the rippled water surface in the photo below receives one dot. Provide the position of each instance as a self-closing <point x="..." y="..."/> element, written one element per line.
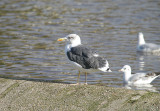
<point x="29" y="30"/>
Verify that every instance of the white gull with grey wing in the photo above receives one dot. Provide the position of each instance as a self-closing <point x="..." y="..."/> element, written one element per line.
<point x="142" y="46"/>
<point x="138" y="78"/>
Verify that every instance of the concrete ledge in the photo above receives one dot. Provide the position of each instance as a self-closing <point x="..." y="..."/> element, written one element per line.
<point x="26" y="95"/>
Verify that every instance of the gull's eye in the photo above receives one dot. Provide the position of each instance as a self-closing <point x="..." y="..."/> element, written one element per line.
<point x="124" y="68"/>
<point x="70" y="37"/>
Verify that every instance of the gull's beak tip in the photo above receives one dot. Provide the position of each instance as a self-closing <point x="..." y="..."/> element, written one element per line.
<point x="120" y="70"/>
<point x="60" y="39"/>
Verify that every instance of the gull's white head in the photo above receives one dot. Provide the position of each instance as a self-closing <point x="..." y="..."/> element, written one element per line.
<point x="141" y="40"/>
<point x="140" y="34"/>
<point x="127" y="73"/>
<point x="73" y="39"/>
<point x="126" y="69"/>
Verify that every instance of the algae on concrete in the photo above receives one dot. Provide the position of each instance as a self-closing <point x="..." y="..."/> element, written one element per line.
<point x="27" y="95"/>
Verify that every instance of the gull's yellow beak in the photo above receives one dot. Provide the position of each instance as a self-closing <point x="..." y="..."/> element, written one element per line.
<point x="61" y="39"/>
<point x="120" y="70"/>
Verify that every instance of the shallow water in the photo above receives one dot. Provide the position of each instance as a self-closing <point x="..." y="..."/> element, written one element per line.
<point x="29" y="30"/>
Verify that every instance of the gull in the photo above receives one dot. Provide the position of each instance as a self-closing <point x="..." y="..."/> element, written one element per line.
<point x="83" y="58"/>
<point x="142" y="46"/>
<point x="138" y="78"/>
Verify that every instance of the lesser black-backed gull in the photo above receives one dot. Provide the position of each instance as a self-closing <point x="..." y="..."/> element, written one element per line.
<point x="142" y="46"/>
<point x="85" y="59"/>
<point x="137" y="78"/>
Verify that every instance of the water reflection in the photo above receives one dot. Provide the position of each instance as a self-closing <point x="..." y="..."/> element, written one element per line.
<point x="148" y="53"/>
<point x="141" y="62"/>
<point x="148" y="62"/>
<point x="147" y="87"/>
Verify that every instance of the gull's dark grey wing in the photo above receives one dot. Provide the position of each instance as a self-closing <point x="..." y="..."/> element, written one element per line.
<point x="85" y="57"/>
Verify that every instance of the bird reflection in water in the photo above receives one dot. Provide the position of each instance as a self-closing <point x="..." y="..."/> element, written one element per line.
<point x="147" y="87"/>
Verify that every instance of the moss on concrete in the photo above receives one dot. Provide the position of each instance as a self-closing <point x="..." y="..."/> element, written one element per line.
<point x="3" y="94"/>
<point x="23" y="95"/>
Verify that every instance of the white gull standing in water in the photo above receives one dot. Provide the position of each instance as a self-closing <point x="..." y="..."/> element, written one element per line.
<point x="85" y="59"/>
<point x="138" y="78"/>
<point x="142" y="46"/>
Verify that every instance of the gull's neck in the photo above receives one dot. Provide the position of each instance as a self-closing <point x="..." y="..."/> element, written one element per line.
<point x="141" y="40"/>
<point x="75" y="44"/>
<point x="70" y="45"/>
<point x="126" y="76"/>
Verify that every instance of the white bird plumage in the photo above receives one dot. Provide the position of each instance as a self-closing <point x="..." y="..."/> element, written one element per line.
<point x="138" y="78"/>
<point x="142" y="46"/>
